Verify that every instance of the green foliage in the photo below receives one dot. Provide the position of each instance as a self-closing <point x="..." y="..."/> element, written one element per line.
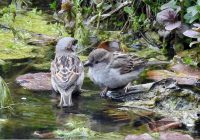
<point x="193" y="13"/>
<point x="171" y="4"/>
<point x="189" y="61"/>
<point x="81" y="31"/>
<point x="78" y="127"/>
<point x="129" y="10"/>
<point x="53" y="5"/>
<point x="5" y="98"/>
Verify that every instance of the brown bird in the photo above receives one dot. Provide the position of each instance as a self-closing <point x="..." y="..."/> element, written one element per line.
<point x="67" y="72"/>
<point x="112" y="70"/>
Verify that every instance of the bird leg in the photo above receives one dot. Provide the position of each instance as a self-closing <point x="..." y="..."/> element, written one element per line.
<point x="127" y="87"/>
<point x="66" y="97"/>
<point x="103" y="92"/>
<point x="61" y="100"/>
<point x="67" y="100"/>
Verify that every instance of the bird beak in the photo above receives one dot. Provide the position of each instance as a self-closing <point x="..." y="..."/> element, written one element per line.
<point x="88" y="64"/>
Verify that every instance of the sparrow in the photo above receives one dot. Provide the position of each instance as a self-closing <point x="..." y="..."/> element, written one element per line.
<point x="67" y="71"/>
<point x="113" y="70"/>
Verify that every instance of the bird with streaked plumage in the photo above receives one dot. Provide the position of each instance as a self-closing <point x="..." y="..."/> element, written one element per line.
<point x="67" y="71"/>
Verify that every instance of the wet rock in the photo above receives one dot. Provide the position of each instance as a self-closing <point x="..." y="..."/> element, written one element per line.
<point x="186" y="70"/>
<point x="161" y="136"/>
<point x="174" y="136"/>
<point x="167" y="98"/>
<point x="140" y="137"/>
<point x="164" y="124"/>
<point x="48" y="135"/>
<point x="136" y="89"/>
<point x="181" y="78"/>
<point x="41" y="40"/>
<point x="35" y="81"/>
<point x="182" y="73"/>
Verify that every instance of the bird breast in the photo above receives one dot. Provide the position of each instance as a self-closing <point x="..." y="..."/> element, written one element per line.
<point x="111" y="78"/>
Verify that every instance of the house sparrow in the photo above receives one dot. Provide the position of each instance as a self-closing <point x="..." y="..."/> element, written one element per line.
<point x="67" y="72"/>
<point x="113" y="70"/>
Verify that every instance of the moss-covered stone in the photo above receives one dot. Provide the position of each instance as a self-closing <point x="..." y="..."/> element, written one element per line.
<point x="41" y="67"/>
<point x="191" y="56"/>
<point x="13" y="49"/>
<point x="165" y="97"/>
<point x="17" y="54"/>
<point x="78" y="127"/>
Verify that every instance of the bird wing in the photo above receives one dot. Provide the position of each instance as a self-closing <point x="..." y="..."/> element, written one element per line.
<point x="126" y="62"/>
<point x="66" y="70"/>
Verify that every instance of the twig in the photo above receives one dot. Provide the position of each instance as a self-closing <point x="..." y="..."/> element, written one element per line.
<point x="104" y="16"/>
<point x="93" y="44"/>
<point x="125" y="25"/>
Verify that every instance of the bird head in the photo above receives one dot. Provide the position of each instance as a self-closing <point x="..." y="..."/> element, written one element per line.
<point x="98" y="56"/>
<point x="66" y="44"/>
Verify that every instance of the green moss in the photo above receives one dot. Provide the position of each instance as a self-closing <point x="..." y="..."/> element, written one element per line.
<point x="78" y="127"/>
<point x="6" y="38"/>
<point x="42" y="67"/>
<point x="149" y="53"/>
<point x="83" y="58"/>
<point x="13" y="54"/>
<point x="191" y="57"/>
<point x="35" y="21"/>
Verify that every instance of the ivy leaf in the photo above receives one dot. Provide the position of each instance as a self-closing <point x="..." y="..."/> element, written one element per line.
<point x="198" y="2"/>
<point x="53" y="5"/>
<point x="193" y="10"/>
<point x="128" y="10"/>
<point x="170" y="4"/>
<point x="189" y="18"/>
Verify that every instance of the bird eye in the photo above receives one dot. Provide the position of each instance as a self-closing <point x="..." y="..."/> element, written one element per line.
<point x="96" y="62"/>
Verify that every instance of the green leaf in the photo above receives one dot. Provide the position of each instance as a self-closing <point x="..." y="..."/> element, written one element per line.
<point x="53" y="5"/>
<point x="5" y="98"/>
<point x="128" y="10"/>
<point x="198" y="2"/>
<point x="170" y="4"/>
<point x="193" y="10"/>
<point x="189" y="18"/>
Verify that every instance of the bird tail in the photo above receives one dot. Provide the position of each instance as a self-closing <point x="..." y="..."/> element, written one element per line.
<point x="154" y="63"/>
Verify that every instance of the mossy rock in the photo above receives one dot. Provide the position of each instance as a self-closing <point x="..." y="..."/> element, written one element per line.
<point x="41" y="67"/>
<point x="17" y="54"/>
<point x="149" y="53"/>
<point x="77" y="126"/>
<point x="191" y="56"/>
